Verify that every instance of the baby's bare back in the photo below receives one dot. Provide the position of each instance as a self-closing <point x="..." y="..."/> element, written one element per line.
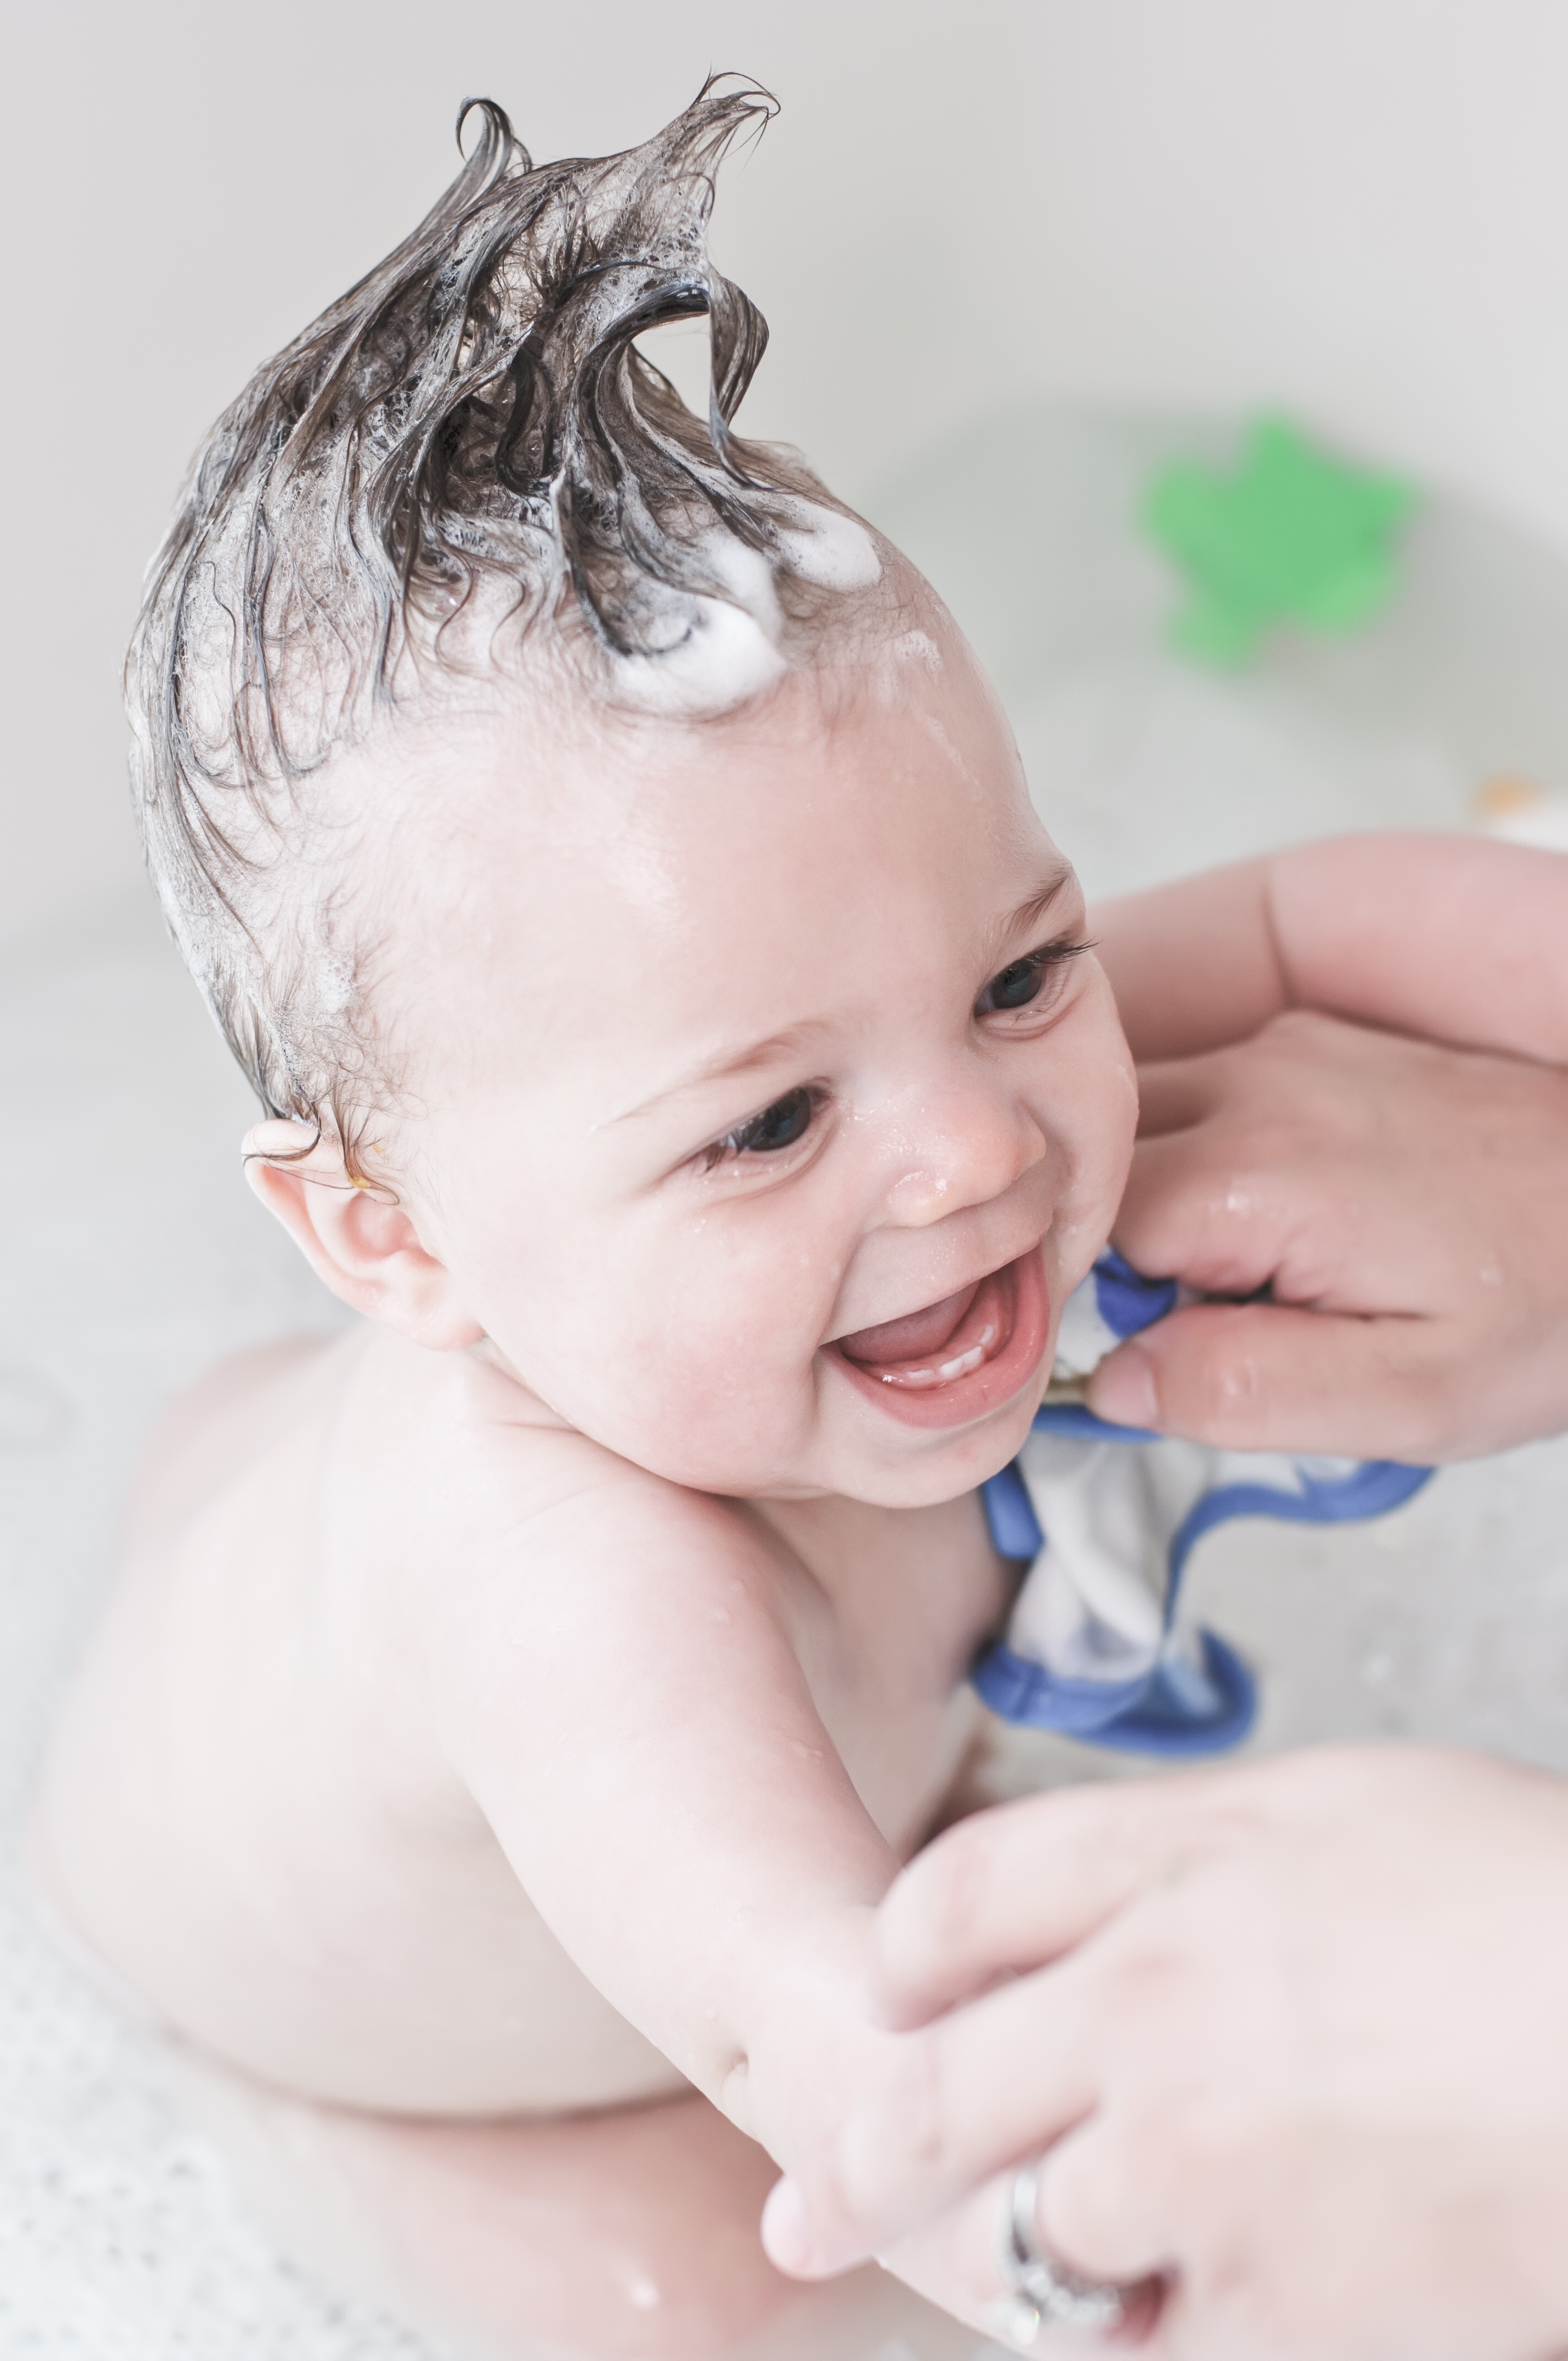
<point x="251" y="1812"/>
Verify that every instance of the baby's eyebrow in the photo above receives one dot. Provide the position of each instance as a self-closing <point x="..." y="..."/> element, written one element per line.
<point x="726" y="1067"/>
<point x="1036" y="906"/>
<point x="779" y="1049"/>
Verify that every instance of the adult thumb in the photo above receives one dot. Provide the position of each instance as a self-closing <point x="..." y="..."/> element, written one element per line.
<point x="1267" y="1377"/>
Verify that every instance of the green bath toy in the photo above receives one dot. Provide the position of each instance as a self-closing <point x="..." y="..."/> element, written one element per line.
<point x="1290" y="536"/>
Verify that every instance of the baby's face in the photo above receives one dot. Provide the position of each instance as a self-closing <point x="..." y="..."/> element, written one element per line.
<point x="766" y="1117"/>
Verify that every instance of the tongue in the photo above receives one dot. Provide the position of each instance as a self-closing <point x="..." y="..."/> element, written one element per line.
<point x="913" y="1338"/>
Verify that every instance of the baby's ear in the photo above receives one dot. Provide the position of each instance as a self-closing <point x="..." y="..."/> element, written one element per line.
<point x="355" y="1236"/>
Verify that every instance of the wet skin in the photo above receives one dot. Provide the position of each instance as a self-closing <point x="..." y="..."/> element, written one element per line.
<point x="521" y="1705"/>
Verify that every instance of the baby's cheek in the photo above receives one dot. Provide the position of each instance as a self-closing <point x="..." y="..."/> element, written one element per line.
<point x="1092" y="1121"/>
<point x="716" y="1346"/>
<point x="717" y="1420"/>
<point x="1121" y="1124"/>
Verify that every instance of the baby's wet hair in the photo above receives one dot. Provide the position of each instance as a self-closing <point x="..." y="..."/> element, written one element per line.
<point x="465" y="444"/>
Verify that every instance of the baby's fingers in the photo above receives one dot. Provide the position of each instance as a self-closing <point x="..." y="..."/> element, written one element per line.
<point x="980" y="2090"/>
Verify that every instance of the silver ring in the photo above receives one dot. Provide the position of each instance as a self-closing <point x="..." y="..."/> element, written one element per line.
<point x="1049" y="2293"/>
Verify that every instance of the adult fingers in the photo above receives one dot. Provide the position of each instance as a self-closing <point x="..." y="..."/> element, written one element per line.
<point x="1263" y="1377"/>
<point x="977" y="2090"/>
<point x="1012" y="1888"/>
<point x="1002" y="2079"/>
<point x="958" y="2260"/>
<point x="1175" y="1094"/>
<point x="1190" y="1211"/>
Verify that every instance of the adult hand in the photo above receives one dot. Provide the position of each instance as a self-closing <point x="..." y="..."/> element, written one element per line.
<point x="1292" y="2035"/>
<point x="1406" y="1206"/>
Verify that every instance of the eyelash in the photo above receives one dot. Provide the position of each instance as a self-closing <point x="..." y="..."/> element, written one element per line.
<point x="1047" y="958"/>
<point x="742" y="1141"/>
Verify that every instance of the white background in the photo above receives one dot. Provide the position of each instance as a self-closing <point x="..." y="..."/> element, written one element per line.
<point x="1358" y="208"/>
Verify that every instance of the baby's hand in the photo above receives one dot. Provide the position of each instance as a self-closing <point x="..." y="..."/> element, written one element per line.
<point x="841" y="2058"/>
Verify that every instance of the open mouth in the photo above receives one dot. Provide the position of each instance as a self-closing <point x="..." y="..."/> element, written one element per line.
<point x="961" y="1358"/>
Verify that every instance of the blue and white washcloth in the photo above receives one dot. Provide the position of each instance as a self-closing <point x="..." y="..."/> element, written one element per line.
<point x="1107" y="1518"/>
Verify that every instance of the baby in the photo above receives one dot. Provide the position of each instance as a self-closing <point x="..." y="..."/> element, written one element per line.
<point x="681" y="1047"/>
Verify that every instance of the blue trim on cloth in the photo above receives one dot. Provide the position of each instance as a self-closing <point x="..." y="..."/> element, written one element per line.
<point x="1372" y="1489"/>
<point x="1010" y="1513"/>
<point x="1126" y="1300"/>
<point x="1173" y="1711"/>
<point x="1178" y="1708"/>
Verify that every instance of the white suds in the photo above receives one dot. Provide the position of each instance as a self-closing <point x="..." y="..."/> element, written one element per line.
<point x="721" y="651"/>
<point x="725" y="657"/>
<point x="835" y="551"/>
<point x="916" y="647"/>
<point x="335" y="987"/>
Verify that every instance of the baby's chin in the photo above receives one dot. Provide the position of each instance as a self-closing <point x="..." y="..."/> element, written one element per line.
<point x="931" y="1469"/>
<point x="885" y="1465"/>
<point x="846" y="1452"/>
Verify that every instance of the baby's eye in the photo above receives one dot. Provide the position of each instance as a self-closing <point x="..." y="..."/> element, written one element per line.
<point x="779" y="1126"/>
<point x="1015" y="986"/>
<point x="1021" y="982"/>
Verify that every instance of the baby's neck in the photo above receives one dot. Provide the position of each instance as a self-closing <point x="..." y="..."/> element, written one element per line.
<point x="844" y="1543"/>
<point x="829" y="1534"/>
<point x="528" y="1408"/>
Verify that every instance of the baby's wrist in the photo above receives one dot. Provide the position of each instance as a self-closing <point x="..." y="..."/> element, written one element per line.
<point x="814" y="2029"/>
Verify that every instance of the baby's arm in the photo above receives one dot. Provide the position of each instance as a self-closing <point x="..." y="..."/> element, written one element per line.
<point x="1453" y="937"/>
<point x="623" y="1695"/>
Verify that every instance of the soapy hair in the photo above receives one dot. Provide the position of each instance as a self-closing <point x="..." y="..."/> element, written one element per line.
<point x="469" y="431"/>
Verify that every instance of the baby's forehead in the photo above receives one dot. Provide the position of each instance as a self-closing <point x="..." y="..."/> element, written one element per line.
<point x="515" y="836"/>
<point x="579" y="902"/>
<point x="514" y="776"/>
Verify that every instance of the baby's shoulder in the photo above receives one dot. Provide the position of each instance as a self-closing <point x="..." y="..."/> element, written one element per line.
<point x="495" y="1510"/>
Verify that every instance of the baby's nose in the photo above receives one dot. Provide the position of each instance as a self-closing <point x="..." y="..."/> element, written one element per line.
<point x="918" y="1197"/>
<point x="968" y="1152"/>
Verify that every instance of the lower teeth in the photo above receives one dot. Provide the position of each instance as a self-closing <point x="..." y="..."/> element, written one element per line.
<point x="948" y="1370"/>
